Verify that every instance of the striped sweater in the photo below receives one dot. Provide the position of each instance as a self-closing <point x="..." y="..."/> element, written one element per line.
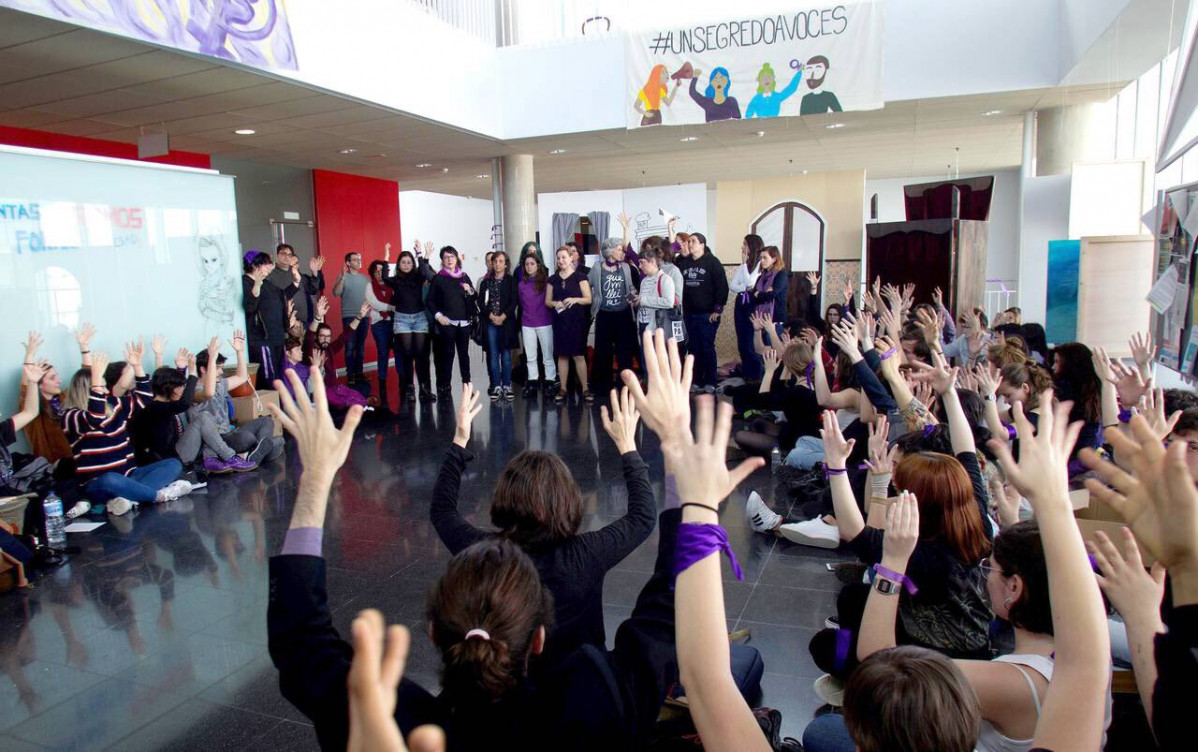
<point x="100" y="441"/>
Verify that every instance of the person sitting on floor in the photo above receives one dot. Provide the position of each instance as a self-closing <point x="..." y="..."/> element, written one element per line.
<point x="255" y="438"/>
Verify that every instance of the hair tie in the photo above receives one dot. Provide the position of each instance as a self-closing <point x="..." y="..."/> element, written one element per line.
<point x="249" y="255"/>
<point x="481" y="634"/>
<point x="927" y="430"/>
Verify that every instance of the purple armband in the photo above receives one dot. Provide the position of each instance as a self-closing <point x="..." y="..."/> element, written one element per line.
<point x="830" y="471"/>
<point x="696" y="541"/>
<point x="1011" y="435"/>
<point x="902" y="579"/>
<point x="1125" y="415"/>
<point x="889" y="353"/>
<point x="302" y="541"/>
<point x="809" y="374"/>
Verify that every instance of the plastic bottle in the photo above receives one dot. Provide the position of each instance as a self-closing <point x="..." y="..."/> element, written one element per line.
<point x="775" y="458"/>
<point x="56" y="536"/>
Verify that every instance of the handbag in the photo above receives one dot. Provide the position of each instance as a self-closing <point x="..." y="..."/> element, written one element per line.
<point x="669" y="319"/>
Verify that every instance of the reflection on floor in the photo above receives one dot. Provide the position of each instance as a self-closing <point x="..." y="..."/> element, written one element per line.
<point x="154" y="636"/>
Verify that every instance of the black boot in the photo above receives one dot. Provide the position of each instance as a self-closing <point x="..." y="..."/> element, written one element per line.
<point x="384" y="398"/>
<point x="530" y="387"/>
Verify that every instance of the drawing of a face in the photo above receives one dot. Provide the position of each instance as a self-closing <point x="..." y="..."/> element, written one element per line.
<point x="719" y="82"/>
<point x="765" y="80"/>
<point x="816" y="69"/>
<point x="664" y="76"/>
<point x="210" y="261"/>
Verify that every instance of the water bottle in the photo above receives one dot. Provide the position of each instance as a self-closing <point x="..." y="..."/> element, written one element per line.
<point x="56" y="536"/>
<point x="775" y="458"/>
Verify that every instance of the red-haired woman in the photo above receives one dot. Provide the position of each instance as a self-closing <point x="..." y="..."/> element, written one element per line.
<point x="946" y="607"/>
<point x="654" y="94"/>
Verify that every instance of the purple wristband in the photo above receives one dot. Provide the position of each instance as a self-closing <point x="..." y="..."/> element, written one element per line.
<point x="902" y="579"/>
<point x="1011" y="435"/>
<point x="696" y="541"/>
<point x="302" y="541"/>
<point x="1125" y="415"/>
<point x="830" y="471"/>
<point x="889" y="353"/>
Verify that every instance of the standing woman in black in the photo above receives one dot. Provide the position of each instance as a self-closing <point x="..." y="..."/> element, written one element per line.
<point x="501" y="323"/>
<point x="265" y="315"/>
<point x="454" y="305"/>
<point x="569" y="295"/>
<point x="411" y="320"/>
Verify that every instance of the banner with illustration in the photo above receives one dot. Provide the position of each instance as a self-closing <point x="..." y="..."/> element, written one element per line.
<point x="823" y="58"/>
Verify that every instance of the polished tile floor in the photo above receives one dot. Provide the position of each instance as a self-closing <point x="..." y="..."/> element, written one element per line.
<point x="154" y="636"/>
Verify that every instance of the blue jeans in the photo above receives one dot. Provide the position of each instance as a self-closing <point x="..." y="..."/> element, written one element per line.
<point x="700" y="334"/>
<point x="808" y="451"/>
<point x="355" y="346"/>
<point x="752" y="367"/>
<point x="828" y="734"/>
<point x="141" y="485"/>
<point x="381" y="331"/>
<point x="499" y="356"/>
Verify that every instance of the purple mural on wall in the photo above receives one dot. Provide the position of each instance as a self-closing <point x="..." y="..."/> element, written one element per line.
<point x="252" y="32"/>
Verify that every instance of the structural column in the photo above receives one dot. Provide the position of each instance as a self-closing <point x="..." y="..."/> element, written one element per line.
<point x="519" y="204"/>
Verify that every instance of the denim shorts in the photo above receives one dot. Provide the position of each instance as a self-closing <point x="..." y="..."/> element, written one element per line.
<point x="407" y="323"/>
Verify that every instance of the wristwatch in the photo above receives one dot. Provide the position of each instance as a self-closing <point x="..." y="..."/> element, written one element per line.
<point x="887" y="587"/>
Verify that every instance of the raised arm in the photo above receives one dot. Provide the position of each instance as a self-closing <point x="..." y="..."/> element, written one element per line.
<point x="83" y="336"/>
<point x="1106" y="376"/>
<point x="1074" y="706"/>
<point x="243" y="369"/>
<point x="846" y="398"/>
<point x="849" y="521"/>
<point x="881" y="608"/>
<point x="944" y="381"/>
<point x="32" y="372"/>
<point x="452" y="528"/>
<point x="697" y="461"/>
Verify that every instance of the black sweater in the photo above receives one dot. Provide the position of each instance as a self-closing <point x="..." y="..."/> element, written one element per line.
<point x="704" y="284"/>
<point x="596" y="699"/>
<point x="409" y="288"/>
<point x="266" y="314"/>
<point x="446" y="296"/>
<point x="154" y="433"/>
<point x="1177" y="675"/>
<point x="574" y="569"/>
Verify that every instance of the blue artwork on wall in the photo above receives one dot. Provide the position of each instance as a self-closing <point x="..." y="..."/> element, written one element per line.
<point x="1060" y="319"/>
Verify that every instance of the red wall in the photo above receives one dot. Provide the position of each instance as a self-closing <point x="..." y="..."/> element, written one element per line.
<point x="95" y="146"/>
<point x="353" y="213"/>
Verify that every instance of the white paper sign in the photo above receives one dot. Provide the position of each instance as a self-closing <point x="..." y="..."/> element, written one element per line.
<point x="1163" y="292"/>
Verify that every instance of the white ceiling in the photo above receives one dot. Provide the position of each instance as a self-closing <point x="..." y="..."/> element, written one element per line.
<point x="56" y="77"/>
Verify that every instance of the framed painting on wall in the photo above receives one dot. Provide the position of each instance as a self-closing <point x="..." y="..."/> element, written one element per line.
<point x="1060" y="317"/>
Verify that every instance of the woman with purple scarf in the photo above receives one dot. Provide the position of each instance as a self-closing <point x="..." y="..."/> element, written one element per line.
<point x="768" y="294"/>
<point x="453" y="304"/>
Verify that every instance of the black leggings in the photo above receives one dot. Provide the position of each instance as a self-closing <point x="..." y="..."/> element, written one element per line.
<point x="413" y="348"/>
<point x="449" y="340"/>
<point x="760" y="438"/>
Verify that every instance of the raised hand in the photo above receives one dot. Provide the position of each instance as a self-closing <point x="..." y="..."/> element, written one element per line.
<point x="1042" y="473"/>
<point x="374" y="678"/>
<point x="315" y="264"/>
<point x="923" y="391"/>
<point x="666" y="407"/>
<point x="317" y="357"/>
<point x="624" y="220"/>
<point x="938" y="375"/>
<point x="1005" y="500"/>
<point x="1154" y="413"/>
<point x="386" y="251"/>
<point x="938" y="298"/>
<point x="1141" y="349"/>
<point x="1130" y="384"/>
<point x="134" y="352"/>
<point x="98" y="366"/>
<point x="237" y="343"/>
<point x="322" y="446"/>
<point x="881" y="455"/>
<point x="844" y="334"/>
<point x="213" y="350"/>
<point x="1102" y="364"/>
<point x="836" y="449"/>
<point x="84" y="334"/>
<point x="699" y="462"/>
<point x="813" y="280"/>
<point x="468" y="408"/>
<point x="428" y="249"/>
<point x="182" y="358"/>
<point x="322" y="307"/>
<point x="987" y="380"/>
<point x="902" y="531"/>
<point x="32" y="344"/>
<point x="1134" y="593"/>
<point x="889" y="353"/>
<point x="757" y="320"/>
<point x="890" y="321"/>
<point x="621" y="422"/>
<point x="35" y="370"/>
<point x="932" y="326"/>
<point x="848" y="291"/>
<point x="770" y="357"/>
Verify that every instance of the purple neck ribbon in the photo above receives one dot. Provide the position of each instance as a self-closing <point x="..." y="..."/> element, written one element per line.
<point x="696" y="541"/>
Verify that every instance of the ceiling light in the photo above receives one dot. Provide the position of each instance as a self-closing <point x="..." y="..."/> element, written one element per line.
<point x="804" y="172"/>
<point x="380" y="155"/>
<point x="688" y="139"/>
<point x="245" y="131"/>
<point x="557" y="151"/>
<point x="423" y="165"/>
<point x="991" y="113"/>
<point x="759" y="134"/>
<point x="834" y="126"/>
<point x="347" y="151"/>
<point x="444" y="169"/>
<point x="483" y="175"/>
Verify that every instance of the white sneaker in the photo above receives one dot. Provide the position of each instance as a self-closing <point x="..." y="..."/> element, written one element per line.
<point x="829" y="689"/>
<point x="119" y="506"/>
<point x="816" y="533"/>
<point x="759" y="516"/>
<point x="172" y="491"/>
<point x="80" y="508"/>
